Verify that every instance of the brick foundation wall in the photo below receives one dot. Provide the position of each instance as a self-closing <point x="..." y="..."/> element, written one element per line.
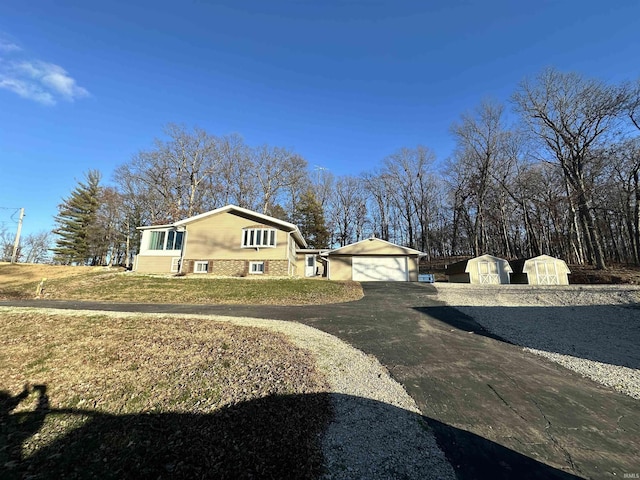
<point x="238" y="268"/>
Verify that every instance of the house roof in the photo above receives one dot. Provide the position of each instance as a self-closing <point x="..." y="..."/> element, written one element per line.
<point x="244" y="212"/>
<point x="374" y="246"/>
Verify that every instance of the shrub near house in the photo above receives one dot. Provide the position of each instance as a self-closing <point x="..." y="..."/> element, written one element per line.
<point x="230" y="241"/>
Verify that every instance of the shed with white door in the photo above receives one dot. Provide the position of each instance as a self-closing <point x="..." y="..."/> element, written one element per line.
<point x="484" y="270"/>
<point x="373" y="260"/>
<point x="540" y="270"/>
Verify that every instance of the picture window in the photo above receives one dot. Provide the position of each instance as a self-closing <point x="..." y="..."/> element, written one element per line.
<point x="258" y="237"/>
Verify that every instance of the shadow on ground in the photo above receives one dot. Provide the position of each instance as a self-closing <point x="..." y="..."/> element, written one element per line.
<point x="602" y="333"/>
<point x="272" y="437"/>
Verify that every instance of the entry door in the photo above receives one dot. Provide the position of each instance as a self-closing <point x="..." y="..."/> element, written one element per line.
<point x="546" y="273"/>
<point x="310" y="265"/>
<point x="488" y="272"/>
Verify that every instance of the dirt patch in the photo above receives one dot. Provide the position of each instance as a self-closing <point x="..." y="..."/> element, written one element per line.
<point x="614" y="275"/>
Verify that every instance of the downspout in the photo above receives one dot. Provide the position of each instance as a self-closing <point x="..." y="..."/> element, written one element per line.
<point x="289" y="239"/>
<point x="184" y="242"/>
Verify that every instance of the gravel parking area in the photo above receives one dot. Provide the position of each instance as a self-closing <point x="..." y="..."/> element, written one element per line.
<point x="592" y="330"/>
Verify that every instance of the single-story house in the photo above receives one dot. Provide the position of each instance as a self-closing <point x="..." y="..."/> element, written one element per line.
<point x="540" y="270"/>
<point x="373" y="260"/>
<point x="229" y="241"/>
<point x="485" y="269"/>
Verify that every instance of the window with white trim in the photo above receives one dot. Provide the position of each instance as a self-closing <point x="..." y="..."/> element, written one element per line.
<point x="256" y="268"/>
<point x="175" y="264"/>
<point x="173" y="240"/>
<point x="157" y="241"/>
<point x="258" y="237"/>
<point x="200" y="267"/>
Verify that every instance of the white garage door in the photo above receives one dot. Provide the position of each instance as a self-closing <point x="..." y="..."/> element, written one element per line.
<point x="380" y="269"/>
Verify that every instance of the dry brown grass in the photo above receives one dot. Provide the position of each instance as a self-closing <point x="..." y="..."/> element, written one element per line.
<point x="102" y="284"/>
<point x="119" y="395"/>
<point x="23" y="278"/>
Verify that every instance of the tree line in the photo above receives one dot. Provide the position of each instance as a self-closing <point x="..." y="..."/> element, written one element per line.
<point x="555" y="171"/>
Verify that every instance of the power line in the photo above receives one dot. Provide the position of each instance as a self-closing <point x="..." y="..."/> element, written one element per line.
<point x="12" y="217"/>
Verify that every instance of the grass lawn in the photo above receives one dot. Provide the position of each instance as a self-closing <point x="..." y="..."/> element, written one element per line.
<point x="114" y="396"/>
<point x="97" y="283"/>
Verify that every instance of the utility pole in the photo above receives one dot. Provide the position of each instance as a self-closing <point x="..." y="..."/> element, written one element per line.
<point x="17" y="241"/>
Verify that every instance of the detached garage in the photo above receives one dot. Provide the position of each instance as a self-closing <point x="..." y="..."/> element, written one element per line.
<point x="485" y="269"/>
<point x="541" y="270"/>
<point x="373" y="260"/>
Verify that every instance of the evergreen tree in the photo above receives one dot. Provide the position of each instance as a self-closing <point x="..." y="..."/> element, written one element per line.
<point x="77" y="222"/>
<point x="309" y="217"/>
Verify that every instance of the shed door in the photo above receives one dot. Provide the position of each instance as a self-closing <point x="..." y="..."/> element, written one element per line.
<point x="546" y="272"/>
<point x="488" y="272"/>
<point x="380" y="269"/>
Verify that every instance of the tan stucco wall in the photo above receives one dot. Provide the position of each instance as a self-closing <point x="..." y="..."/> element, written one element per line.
<point x="413" y="268"/>
<point x="220" y="236"/>
<point x="145" y="264"/>
<point x="339" y="268"/>
<point x="300" y="264"/>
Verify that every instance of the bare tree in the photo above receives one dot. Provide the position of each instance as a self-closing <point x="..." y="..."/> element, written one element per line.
<point x="237" y="179"/>
<point x="170" y="178"/>
<point x="7" y="239"/>
<point x="573" y="116"/>
<point x="633" y="104"/>
<point x="480" y="140"/>
<point x="379" y="188"/>
<point x="410" y="181"/>
<point x="278" y="169"/>
<point x="36" y="247"/>
<point x="623" y="188"/>
<point x="345" y="207"/>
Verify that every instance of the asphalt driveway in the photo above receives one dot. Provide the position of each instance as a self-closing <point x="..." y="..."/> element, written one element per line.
<point x="497" y="411"/>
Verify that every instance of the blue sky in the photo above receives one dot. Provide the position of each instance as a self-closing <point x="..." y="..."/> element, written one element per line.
<point x="87" y="84"/>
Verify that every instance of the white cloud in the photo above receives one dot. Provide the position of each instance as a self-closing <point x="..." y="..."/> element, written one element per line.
<point x="26" y="90"/>
<point x="42" y="82"/>
<point x="8" y="47"/>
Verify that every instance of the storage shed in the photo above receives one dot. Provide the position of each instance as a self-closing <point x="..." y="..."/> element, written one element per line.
<point x="485" y="269"/>
<point x="540" y="270"/>
<point x="373" y="260"/>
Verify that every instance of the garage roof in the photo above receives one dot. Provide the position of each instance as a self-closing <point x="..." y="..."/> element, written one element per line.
<point x="374" y="246"/>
